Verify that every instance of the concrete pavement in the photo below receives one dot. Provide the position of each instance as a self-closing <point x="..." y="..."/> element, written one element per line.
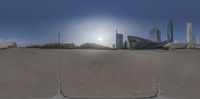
<point x="33" y="73"/>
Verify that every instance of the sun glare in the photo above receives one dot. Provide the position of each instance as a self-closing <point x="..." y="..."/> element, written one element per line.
<point x="100" y="39"/>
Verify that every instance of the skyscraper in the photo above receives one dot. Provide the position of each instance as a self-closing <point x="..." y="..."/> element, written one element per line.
<point x="119" y="40"/>
<point x="170" y="31"/>
<point x="125" y="44"/>
<point x="189" y="35"/>
<point x="155" y="35"/>
<point x="58" y="37"/>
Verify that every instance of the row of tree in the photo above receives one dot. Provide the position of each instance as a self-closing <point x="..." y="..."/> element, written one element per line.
<point x="69" y="46"/>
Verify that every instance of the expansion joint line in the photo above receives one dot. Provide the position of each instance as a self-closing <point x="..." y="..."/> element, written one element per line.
<point x="60" y="90"/>
<point x="158" y="90"/>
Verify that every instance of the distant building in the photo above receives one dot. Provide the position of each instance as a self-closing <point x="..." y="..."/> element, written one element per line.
<point x="170" y="31"/>
<point x="69" y="45"/>
<point x="3" y="44"/>
<point x="142" y="43"/>
<point x="173" y="45"/>
<point x="113" y="46"/>
<point x="119" y="40"/>
<point x="196" y="41"/>
<point x="125" y="44"/>
<point x="189" y="35"/>
<point x="12" y="44"/>
<point x="155" y="35"/>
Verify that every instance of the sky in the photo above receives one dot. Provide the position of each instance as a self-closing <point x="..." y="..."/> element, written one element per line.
<point x="32" y="22"/>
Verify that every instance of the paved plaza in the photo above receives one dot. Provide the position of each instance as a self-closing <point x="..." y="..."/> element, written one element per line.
<point x="34" y="73"/>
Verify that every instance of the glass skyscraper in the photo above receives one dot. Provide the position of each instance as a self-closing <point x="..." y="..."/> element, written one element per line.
<point x="170" y="31"/>
<point x="189" y="35"/>
<point x="155" y="35"/>
<point x="119" y="40"/>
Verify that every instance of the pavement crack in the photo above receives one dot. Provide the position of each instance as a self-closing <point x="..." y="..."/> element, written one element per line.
<point x="158" y="90"/>
<point x="60" y="90"/>
<point x="60" y="94"/>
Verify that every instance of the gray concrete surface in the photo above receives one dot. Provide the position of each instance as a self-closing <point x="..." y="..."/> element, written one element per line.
<point x="33" y="73"/>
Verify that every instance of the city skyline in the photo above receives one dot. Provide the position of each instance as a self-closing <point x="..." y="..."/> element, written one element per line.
<point x="39" y="22"/>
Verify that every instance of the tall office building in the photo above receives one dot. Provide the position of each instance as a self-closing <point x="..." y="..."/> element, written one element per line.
<point x="194" y="40"/>
<point x="125" y="44"/>
<point x="119" y="40"/>
<point x="189" y="35"/>
<point x="59" y="38"/>
<point x="170" y="31"/>
<point x="155" y="35"/>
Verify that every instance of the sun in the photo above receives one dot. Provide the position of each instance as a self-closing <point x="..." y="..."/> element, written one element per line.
<point x="100" y="39"/>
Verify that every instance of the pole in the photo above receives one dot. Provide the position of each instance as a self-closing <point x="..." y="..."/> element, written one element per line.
<point x="58" y="37"/>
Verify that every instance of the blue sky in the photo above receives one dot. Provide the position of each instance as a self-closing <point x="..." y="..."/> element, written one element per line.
<point x="38" y="21"/>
